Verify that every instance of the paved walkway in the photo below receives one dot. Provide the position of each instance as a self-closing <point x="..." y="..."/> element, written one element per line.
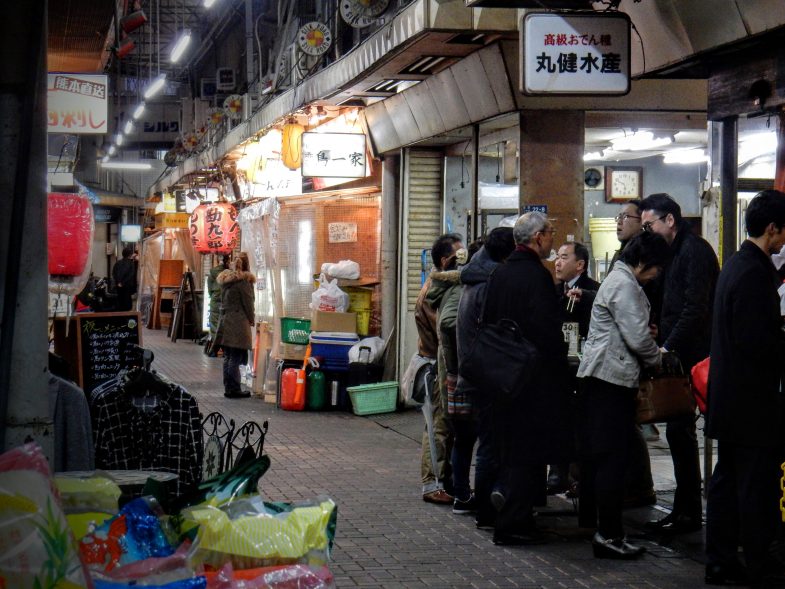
<point x="387" y="536"/>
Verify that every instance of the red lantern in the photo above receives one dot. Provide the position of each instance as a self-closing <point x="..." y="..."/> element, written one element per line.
<point x="214" y="228"/>
<point x="69" y="233"/>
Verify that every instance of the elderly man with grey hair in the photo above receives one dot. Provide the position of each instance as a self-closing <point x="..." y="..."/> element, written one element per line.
<point x="533" y="428"/>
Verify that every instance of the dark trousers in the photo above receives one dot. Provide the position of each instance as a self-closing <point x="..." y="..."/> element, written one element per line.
<point x="638" y="481"/>
<point x="743" y="506"/>
<point x="683" y="441"/>
<point x="233" y="358"/>
<point x="486" y="467"/>
<point x="606" y="428"/>
<point x="124" y="302"/>
<point x="465" y="435"/>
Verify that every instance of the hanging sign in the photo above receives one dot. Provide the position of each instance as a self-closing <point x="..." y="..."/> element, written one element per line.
<point x="329" y="155"/>
<point x="575" y="53"/>
<point x="341" y="232"/>
<point x="77" y="104"/>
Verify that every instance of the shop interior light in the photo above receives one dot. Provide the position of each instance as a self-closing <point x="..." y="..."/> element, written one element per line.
<point x="592" y="155"/>
<point x="140" y="166"/>
<point x="685" y="156"/>
<point x="756" y="145"/>
<point x="118" y="139"/>
<point x="180" y="47"/>
<point x="640" y="141"/>
<point x="112" y="150"/>
<point x="155" y="86"/>
<point x="208" y="3"/>
<point x="138" y="112"/>
<point x="318" y="114"/>
<point x="104" y="159"/>
<point x="129" y="127"/>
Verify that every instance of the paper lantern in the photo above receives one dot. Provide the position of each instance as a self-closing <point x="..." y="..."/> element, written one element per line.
<point x="69" y="231"/>
<point x="214" y="228"/>
<point x="291" y="145"/>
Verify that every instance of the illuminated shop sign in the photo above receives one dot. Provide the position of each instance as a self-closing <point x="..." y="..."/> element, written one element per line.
<point x="77" y="104"/>
<point x="333" y="155"/>
<point x="575" y="54"/>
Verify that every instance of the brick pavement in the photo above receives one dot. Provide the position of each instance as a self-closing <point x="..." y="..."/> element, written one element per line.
<point x="387" y="536"/>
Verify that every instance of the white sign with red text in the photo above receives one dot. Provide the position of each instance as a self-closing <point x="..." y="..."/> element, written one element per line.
<point x="77" y="103"/>
<point x="575" y="54"/>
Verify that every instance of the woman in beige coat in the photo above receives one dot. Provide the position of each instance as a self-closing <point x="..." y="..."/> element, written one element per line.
<point x="235" y="323"/>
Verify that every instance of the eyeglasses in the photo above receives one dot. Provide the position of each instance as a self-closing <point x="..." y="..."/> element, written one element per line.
<point x="624" y="216"/>
<point x="552" y="231"/>
<point x="647" y="225"/>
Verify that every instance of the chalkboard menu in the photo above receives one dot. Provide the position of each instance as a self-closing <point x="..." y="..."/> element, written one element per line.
<point x="92" y="345"/>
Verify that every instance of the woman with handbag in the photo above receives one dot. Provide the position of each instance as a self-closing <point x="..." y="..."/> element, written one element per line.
<point x="619" y="341"/>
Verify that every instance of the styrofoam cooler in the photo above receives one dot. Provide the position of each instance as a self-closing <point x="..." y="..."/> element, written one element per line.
<point x="333" y="349"/>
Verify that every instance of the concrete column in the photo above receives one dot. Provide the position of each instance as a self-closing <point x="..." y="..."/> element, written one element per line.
<point x="551" y="168"/>
<point x="389" y="301"/>
<point x="24" y="400"/>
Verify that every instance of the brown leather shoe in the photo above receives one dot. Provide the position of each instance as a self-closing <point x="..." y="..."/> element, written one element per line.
<point x="439" y="496"/>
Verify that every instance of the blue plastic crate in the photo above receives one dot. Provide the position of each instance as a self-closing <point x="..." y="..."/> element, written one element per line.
<point x="333" y="349"/>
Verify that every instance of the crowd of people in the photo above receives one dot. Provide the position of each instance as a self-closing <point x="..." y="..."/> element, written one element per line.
<point x="663" y="301"/>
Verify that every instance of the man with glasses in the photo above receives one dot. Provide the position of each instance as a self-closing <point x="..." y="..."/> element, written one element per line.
<point x="687" y="297"/>
<point x="628" y="225"/>
<point x="533" y="429"/>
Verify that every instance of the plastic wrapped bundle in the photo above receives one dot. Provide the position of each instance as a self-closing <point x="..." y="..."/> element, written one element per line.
<point x="294" y="576"/>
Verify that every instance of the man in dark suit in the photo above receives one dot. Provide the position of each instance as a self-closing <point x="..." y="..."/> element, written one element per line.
<point x="684" y="322"/>
<point x="745" y="408"/>
<point x="575" y="289"/>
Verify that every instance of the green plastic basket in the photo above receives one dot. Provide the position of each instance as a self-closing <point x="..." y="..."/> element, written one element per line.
<point x="295" y="331"/>
<point x="368" y="399"/>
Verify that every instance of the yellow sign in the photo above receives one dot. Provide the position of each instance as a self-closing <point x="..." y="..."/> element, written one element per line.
<point x="172" y="220"/>
<point x="170" y="202"/>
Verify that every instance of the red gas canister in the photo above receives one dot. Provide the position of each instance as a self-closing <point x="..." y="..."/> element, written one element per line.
<point x="289" y="389"/>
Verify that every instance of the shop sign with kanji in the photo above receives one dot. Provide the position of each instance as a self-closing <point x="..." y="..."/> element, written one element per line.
<point x="331" y="155"/>
<point x="77" y="103"/>
<point x="575" y="53"/>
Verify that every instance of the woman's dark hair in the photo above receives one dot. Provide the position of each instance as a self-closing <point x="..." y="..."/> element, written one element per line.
<point x="767" y="207"/>
<point x="500" y="243"/>
<point x="649" y="249"/>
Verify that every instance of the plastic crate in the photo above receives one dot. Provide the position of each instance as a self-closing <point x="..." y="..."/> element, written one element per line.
<point x="368" y="399"/>
<point x="333" y="349"/>
<point x="295" y="331"/>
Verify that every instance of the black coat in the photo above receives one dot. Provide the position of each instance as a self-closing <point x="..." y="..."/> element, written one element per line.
<point x="537" y="423"/>
<point x="747" y="353"/>
<point x="688" y="285"/>
<point x="581" y="311"/>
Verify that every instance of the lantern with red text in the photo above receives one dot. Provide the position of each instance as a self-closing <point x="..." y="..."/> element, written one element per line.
<point x="214" y="228"/>
<point x="69" y="230"/>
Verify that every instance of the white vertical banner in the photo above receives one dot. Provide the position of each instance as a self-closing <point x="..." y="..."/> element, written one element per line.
<point x="575" y="53"/>
<point x="77" y="103"/>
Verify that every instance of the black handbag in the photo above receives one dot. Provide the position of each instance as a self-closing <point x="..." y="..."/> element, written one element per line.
<point x="500" y="359"/>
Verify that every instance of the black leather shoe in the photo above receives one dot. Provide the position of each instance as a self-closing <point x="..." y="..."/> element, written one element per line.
<point x="675" y="524"/>
<point x="498" y="499"/>
<point x="615" y="548"/>
<point x="527" y="538"/>
<point x="717" y="574"/>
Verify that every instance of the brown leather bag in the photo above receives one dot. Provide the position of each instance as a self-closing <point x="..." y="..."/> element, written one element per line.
<point x="663" y="397"/>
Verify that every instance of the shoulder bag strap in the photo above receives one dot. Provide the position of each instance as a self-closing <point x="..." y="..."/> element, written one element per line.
<point x="481" y="317"/>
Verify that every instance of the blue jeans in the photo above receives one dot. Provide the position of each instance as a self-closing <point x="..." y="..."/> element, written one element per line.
<point x="233" y="358"/>
<point x="486" y="466"/>
<point x="465" y="431"/>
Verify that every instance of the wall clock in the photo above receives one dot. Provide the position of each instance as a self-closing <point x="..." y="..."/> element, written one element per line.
<point x="314" y="38"/>
<point x="623" y="183"/>
<point x="361" y="13"/>
<point x="594" y="178"/>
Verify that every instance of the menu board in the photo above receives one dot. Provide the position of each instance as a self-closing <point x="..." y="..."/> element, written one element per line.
<point x="101" y="341"/>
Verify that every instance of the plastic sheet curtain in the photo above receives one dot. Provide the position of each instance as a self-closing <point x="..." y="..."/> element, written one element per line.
<point x="259" y="231"/>
<point x="183" y="249"/>
<point x="152" y="247"/>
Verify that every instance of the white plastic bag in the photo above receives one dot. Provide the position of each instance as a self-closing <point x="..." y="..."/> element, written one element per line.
<point x="343" y="269"/>
<point x="374" y="344"/>
<point x="328" y="297"/>
<point x="419" y="376"/>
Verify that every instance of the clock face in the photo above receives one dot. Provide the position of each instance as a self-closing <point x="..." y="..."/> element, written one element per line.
<point x="314" y="38"/>
<point x="361" y="13"/>
<point x="623" y="184"/>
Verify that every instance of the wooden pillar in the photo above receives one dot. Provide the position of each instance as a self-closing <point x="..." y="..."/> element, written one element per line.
<point x="551" y="168"/>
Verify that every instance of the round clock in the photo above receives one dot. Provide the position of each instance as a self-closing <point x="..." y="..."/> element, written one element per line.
<point x="361" y="13"/>
<point x="592" y="177"/>
<point x="314" y="38"/>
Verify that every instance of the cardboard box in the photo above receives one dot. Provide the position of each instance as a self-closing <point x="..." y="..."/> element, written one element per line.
<point x="335" y="322"/>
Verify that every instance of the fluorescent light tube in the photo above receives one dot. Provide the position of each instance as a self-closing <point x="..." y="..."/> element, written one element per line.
<point x="592" y="155"/>
<point x="118" y="139"/>
<point x="155" y="86"/>
<point x="129" y="128"/>
<point x="141" y="166"/>
<point x="684" y="156"/>
<point x="138" y="112"/>
<point x="180" y="47"/>
<point x="640" y="141"/>
<point x="208" y="3"/>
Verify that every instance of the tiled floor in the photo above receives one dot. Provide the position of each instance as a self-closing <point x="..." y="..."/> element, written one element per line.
<point x="387" y="536"/>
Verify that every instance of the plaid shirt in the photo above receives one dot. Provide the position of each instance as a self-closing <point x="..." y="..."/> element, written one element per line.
<point x="153" y="432"/>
